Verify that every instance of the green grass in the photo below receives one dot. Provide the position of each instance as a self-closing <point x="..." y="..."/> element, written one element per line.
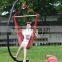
<point x="35" y="54"/>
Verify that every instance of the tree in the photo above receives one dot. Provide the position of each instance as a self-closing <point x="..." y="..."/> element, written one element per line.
<point x="43" y="7"/>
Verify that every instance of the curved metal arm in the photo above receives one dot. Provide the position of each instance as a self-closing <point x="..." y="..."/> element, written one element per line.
<point x="12" y="11"/>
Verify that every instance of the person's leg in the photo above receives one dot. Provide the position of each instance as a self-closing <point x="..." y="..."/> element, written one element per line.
<point x="18" y="51"/>
<point x="25" y="53"/>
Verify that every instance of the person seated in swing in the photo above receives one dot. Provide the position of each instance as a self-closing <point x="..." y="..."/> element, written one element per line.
<point x="25" y="36"/>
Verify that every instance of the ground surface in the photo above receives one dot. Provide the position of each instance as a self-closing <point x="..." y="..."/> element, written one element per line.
<point x="35" y="54"/>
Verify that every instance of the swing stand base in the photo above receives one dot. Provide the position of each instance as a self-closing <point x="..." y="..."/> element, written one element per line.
<point x="22" y="61"/>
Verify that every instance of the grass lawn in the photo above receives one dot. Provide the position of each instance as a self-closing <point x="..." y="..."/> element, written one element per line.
<point x="35" y="54"/>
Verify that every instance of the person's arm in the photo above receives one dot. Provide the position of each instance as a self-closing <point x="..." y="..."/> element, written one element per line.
<point x="36" y="33"/>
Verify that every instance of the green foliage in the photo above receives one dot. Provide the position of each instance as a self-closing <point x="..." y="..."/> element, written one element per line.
<point x="39" y="6"/>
